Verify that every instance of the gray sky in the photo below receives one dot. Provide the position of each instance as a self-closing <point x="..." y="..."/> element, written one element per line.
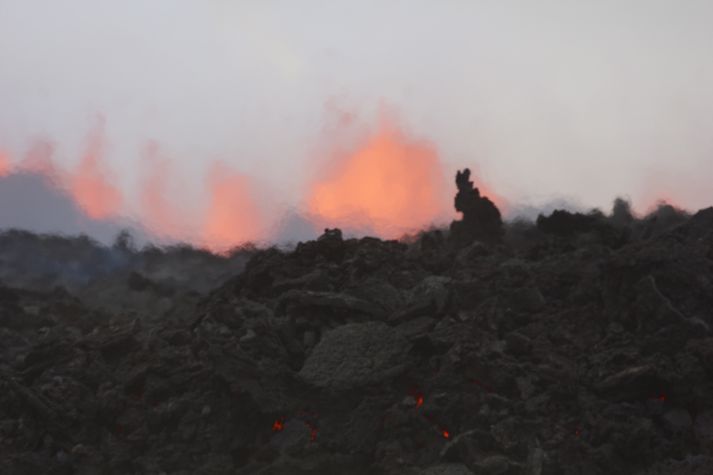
<point x="546" y="99"/>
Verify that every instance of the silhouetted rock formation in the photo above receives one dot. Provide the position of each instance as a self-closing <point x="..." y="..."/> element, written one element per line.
<point x="614" y="230"/>
<point x="329" y="246"/>
<point x="481" y="218"/>
<point x="564" y="223"/>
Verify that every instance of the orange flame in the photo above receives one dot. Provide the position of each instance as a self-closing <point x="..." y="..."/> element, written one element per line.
<point x="232" y="216"/>
<point x="89" y="186"/>
<point x="391" y="184"/>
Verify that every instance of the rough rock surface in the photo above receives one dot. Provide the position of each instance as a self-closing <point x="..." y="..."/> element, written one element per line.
<point x="356" y="354"/>
<point x="553" y="352"/>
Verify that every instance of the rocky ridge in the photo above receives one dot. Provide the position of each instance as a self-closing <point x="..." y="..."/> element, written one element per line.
<point x="551" y="351"/>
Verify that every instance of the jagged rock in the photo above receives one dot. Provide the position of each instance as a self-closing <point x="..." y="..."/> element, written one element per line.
<point x="535" y="461"/>
<point x="564" y="223"/>
<point x="292" y="438"/>
<point x="703" y="428"/>
<point x="582" y="346"/>
<point x="468" y="447"/>
<point x="354" y="355"/>
<point x="526" y="299"/>
<point x="342" y="306"/>
<point x="678" y="420"/>
<point x="637" y="382"/>
<point x="493" y="465"/>
<point x="690" y="465"/>
<point x="472" y="253"/>
<point x="481" y="218"/>
<point x="518" y="344"/>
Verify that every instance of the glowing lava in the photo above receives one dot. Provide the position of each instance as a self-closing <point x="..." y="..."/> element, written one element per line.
<point x="232" y="216"/>
<point x="90" y="185"/>
<point x="391" y="184"/>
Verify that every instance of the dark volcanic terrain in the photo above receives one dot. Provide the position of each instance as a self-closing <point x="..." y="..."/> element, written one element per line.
<point x="577" y="345"/>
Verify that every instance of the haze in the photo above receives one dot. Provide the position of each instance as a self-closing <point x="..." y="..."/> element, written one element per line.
<point x="197" y="108"/>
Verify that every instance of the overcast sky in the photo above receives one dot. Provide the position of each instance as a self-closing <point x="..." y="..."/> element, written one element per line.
<point x="550" y="98"/>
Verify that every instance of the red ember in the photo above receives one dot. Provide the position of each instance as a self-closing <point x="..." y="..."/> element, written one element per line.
<point x="278" y="425"/>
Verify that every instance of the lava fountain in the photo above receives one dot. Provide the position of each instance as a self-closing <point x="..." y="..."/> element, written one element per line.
<point x="389" y="184"/>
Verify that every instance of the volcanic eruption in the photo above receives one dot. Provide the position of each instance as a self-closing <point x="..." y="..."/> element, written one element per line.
<point x="485" y="347"/>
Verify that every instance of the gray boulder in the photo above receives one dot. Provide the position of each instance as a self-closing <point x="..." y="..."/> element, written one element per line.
<point x="354" y="355"/>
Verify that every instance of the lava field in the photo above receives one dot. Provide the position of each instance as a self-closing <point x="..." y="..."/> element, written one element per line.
<point x="578" y="344"/>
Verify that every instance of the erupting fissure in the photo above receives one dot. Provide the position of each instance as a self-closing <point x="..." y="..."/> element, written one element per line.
<point x="390" y="184"/>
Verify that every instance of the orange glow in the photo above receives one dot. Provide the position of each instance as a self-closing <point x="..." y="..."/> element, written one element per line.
<point x="89" y="185"/>
<point x="232" y="216"/>
<point x="158" y="213"/>
<point x="663" y="199"/>
<point x="650" y="200"/>
<point x="391" y="184"/>
<point x="445" y="434"/>
<point x="659" y="188"/>
<point x="388" y="184"/>
<point x="39" y="160"/>
<point x="419" y="400"/>
<point x="4" y="164"/>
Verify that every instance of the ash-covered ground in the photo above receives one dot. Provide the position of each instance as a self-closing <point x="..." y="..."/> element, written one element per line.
<point x="579" y="344"/>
